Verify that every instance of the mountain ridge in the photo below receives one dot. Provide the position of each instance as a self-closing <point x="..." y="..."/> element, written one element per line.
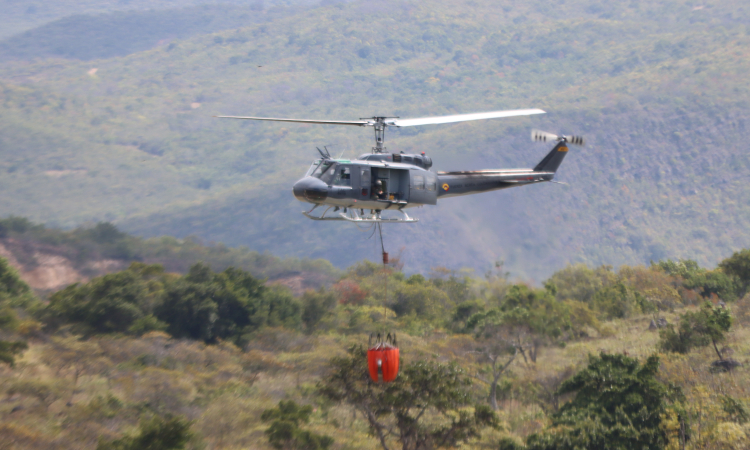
<point x="656" y="88"/>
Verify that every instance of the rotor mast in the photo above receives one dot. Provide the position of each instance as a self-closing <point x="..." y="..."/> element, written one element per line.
<point x="379" y="124"/>
<point x="379" y="136"/>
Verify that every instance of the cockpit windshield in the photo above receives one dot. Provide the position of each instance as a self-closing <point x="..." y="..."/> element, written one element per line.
<point x="312" y="168"/>
<point x="325" y="170"/>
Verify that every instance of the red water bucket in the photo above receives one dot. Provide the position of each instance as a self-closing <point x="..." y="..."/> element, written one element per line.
<point x="382" y="361"/>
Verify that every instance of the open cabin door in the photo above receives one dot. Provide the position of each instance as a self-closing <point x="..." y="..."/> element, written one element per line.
<point x="395" y="183"/>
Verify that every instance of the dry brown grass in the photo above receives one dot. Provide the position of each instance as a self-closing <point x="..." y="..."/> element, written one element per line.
<point x="71" y="392"/>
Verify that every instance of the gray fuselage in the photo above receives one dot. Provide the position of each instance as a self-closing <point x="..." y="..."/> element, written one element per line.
<point x="397" y="181"/>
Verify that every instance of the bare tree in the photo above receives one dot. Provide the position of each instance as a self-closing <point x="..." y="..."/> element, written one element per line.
<point x="497" y="347"/>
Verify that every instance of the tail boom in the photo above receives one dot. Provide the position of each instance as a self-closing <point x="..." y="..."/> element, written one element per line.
<point x="453" y="184"/>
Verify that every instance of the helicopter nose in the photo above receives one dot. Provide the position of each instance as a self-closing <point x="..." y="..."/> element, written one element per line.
<point x="310" y="189"/>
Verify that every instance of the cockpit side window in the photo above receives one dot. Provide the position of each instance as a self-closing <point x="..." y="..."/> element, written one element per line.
<point x="343" y="176"/>
<point x="325" y="171"/>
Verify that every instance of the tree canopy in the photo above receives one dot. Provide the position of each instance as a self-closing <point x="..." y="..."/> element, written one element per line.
<point x="157" y="433"/>
<point x="618" y="404"/>
<point x="428" y="406"/>
<point x="284" y="430"/>
<point x="201" y="305"/>
<point x="709" y="325"/>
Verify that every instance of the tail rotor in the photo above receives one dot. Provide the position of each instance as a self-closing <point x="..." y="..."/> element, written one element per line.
<point x="543" y="136"/>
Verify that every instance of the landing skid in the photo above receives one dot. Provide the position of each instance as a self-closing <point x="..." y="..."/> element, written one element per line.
<point x="358" y="216"/>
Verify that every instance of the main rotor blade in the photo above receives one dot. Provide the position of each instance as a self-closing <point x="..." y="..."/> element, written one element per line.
<point x="462" y="117"/>
<point x="360" y="123"/>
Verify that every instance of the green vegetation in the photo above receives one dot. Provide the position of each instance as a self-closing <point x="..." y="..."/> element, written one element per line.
<point x="284" y="431"/>
<point x="426" y="407"/>
<point x="13" y="290"/>
<point x="202" y="305"/>
<point x="222" y="359"/>
<point x="738" y="266"/>
<point x="8" y="351"/>
<point x="112" y="303"/>
<point x="172" y="433"/>
<point x="184" y="344"/>
<point x="122" y="33"/>
<point x="709" y="325"/>
<point x="227" y="305"/>
<point x="20" y="16"/>
<point x="531" y="317"/>
<point x="14" y="294"/>
<point x="618" y="404"/>
<point x="103" y="242"/>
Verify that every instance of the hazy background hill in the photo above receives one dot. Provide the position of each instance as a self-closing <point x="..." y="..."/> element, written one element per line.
<point x="121" y="33"/>
<point x="658" y="88"/>
<point x="21" y="15"/>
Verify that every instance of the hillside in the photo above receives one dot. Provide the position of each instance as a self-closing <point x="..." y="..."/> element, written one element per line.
<point x="225" y="391"/>
<point x="657" y="88"/>
<point x="95" y="365"/>
<point x="18" y="16"/>
<point x="49" y="260"/>
<point x="88" y="37"/>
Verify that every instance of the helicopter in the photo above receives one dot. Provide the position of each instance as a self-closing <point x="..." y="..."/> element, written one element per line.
<point x="361" y="190"/>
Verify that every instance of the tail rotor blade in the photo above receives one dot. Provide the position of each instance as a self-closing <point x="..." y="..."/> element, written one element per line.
<point x="577" y="140"/>
<point x="543" y="136"/>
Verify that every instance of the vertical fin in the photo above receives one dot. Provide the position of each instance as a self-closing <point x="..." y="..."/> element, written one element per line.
<point x="552" y="161"/>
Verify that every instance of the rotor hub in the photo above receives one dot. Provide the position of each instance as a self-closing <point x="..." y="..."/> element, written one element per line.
<point x="379" y="124"/>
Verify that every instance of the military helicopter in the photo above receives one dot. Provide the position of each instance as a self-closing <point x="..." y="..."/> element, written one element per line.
<point x="361" y="190"/>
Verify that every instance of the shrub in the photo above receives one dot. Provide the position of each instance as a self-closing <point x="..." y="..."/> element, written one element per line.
<point x="708" y="325"/>
<point x="226" y="305"/>
<point x="284" y="431"/>
<point x="618" y="404"/>
<point x="315" y="305"/>
<point x="170" y="433"/>
<point x="107" y="304"/>
<point x="738" y="266"/>
<point x="147" y="324"/>
<point x="8" y="351"/>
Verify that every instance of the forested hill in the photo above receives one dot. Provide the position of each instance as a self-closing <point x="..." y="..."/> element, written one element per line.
<point x="18" y="16"/>
<point x="658" y="89"/>
<point x="121" y="33"/>
<point x="50" y="259"/>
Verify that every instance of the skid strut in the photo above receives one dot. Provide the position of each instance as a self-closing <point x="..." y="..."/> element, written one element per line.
<point x="352" y="215"/>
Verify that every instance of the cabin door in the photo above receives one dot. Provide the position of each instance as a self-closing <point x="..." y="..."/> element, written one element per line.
<point x="422" y="187"/>
<point x="395" y="184"/>
<point x="364" y="187"/>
